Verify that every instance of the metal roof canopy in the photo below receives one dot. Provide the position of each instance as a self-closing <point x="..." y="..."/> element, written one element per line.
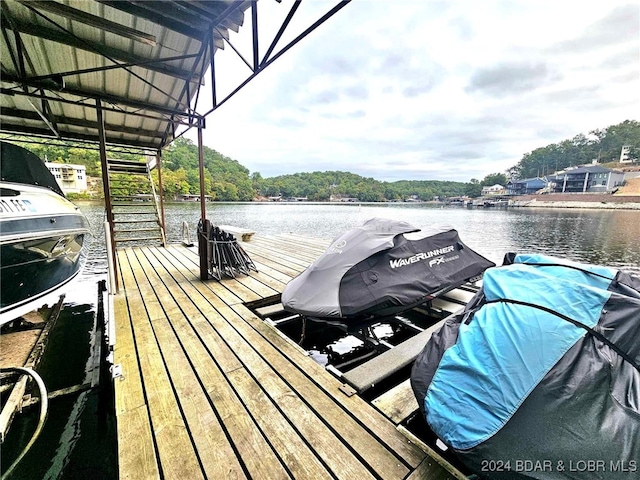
<point x="140" y="63"/>
<point x="122" y="73"/>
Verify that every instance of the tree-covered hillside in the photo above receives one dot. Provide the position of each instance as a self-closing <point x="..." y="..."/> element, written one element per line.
<point x="321" y="186"/>
<point x="602" y="144"/>
<point x="227" y="180"/>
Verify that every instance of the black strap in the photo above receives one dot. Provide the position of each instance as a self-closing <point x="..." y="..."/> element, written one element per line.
<point x="577" y="323"/>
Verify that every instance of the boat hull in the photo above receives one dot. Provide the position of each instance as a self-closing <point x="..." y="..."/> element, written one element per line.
<point x="41" y="242"/>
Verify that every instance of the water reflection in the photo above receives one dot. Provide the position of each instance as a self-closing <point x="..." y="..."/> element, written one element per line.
<point x="599" y="237"/>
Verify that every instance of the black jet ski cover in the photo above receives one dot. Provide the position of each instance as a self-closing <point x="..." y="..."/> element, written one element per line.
<point x="539" y="376"/>
<point x="382" y="268"/>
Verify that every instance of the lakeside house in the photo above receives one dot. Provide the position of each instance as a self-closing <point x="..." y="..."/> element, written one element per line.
<point x="587" y="179"/>
<point x="71" y="178"/>
<point x="526" y="186"/>
<point x="581" y="179"/>
<point x="496" y="189"/>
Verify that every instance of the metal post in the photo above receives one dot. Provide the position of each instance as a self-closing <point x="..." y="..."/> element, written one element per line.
<point x="203" y="239"/>
<point x="212" y="48"/>
<point x="254" y="25"/>
<point x="107" y="189"/>
<point x="161" y="193"/>
<point x="110" y="260"/>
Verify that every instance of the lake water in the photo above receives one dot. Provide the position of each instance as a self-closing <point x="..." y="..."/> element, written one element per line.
<point x="79" y="440"/>
<point x="610" y="237"/>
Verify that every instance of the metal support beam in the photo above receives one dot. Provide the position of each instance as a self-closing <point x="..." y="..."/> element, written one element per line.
<point x="9" y="129"/>
<point x="67" y="90"/>
<point x="171" y="20"/>
<point x="113" y="54"/>
<point x="106" y="68"/>
<point x="281" y="30"/>
<point x="5" y="35"/>
<point x="244" y="60"/>
<point x="265" y="63"/>
<point x="44" y="118"/>
<point x="203" y="238"/>
<point x="213" y="70"/>
<point x="106" y="188"/>
<point x="161" y="193"/>
<point x="93" y="20"/>
<point x="79" y="122"/>
<point x="254" y="26"/>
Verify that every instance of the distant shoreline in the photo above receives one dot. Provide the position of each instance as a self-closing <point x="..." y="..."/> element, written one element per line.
<point x="593" y="201"/>
<point x="590" y="205"/>
<point x="601" y="202"/>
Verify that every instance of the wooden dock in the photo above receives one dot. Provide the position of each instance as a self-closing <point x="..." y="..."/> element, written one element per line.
<point x="209" y="390"/>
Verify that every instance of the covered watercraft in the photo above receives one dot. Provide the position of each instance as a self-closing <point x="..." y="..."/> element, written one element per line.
<point x="382" y="268"/>
<point x="539" y="376"/>
<point x="41" y="233"/>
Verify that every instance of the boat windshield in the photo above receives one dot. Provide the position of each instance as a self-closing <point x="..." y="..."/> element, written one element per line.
<point x="19" y="165"/>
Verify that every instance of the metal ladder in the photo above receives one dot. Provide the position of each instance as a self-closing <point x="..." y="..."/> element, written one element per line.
<point x="134" y="204"/>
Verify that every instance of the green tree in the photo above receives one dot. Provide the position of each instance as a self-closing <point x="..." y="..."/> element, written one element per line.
<point x="602" y="144"/>
<point x="89" y="158"/>
<point x="494" y="178"/>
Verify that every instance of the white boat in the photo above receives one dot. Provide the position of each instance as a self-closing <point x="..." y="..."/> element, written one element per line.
<point x="42" y="234"/>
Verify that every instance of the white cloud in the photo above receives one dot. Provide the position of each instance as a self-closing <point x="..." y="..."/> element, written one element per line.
<point x="427" y="89"/>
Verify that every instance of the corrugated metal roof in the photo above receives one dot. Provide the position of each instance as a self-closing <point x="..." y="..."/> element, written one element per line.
<point x="141" y="60"/>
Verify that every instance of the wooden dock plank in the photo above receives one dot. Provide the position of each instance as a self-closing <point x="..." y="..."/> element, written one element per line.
<point x="329" y="447"/>
<point x="434" y="466"/>
<point x="314" y="242"/>
<point x="298" y="251"/>
<point x="256" y="454"/>
<point x="177" y="456"/>
<point x="295" y="254"/>
<point x="214" y="451"/>
<point x="280" y="256"/>
<point x="296" y="454"/>
<point x="124" y="354"/>
<point x="294" y="451"/>
<point x="240" y="291"/>
<point x="295" y="399"/>
<point x="397" y="404"/>
<point x="274" y="274"/>
<point x="225" y="395"/>
<point x="348" y="429"/>
<point x="136" y="447"/>
<point x="308" y="245"/>
<point x="431" y="470"/>
<point x="367" y="416"/>
<point x="260" y="460"/>
<point x="385" y="430"/>
<point x="285" y="270"/>
<point x="263" y="287"/>
<point x="136" y="451"/>
<point x="188" y="257"/>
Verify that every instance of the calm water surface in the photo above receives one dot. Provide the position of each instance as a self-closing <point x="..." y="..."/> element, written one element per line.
<point x="610" y="237"/>
<point x="79" y="441"/>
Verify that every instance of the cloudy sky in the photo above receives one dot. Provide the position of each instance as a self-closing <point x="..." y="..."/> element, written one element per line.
<point x="428" y="90"/>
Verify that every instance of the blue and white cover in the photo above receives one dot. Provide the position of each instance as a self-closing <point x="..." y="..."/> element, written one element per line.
<point x="542" y="366"/>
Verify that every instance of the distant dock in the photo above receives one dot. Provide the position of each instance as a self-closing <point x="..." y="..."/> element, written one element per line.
<point x="207" y="389"/>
